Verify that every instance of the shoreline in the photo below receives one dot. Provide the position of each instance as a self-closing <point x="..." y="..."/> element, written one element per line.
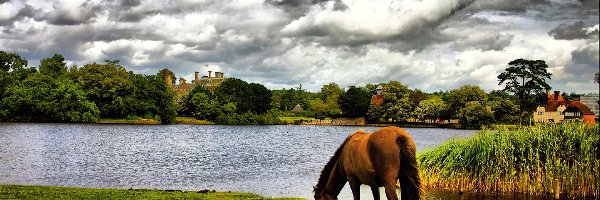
<point x="15" y="191"/>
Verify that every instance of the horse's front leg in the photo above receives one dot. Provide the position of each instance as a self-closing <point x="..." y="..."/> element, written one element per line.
<point x="355" y="187"/>
<point x="375" y="191"/>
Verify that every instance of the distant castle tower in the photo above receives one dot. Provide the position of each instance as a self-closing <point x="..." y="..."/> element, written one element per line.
<point x="209" y="82"/>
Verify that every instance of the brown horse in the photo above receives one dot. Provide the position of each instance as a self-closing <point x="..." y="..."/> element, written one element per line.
<point x="378" y="159"/>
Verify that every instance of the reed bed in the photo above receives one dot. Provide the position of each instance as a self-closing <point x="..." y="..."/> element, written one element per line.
<point x="557" y="160"/>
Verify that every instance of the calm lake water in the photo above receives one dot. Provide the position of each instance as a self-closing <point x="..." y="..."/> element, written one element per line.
<point x="268" y="160"/>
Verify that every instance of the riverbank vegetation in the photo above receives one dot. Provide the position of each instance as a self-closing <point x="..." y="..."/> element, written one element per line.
<point x="53" y="192"/>
<point x="545" y="159"/>
<point x="94" y="92"/>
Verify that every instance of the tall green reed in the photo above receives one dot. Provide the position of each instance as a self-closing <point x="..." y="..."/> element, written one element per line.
<point x="545" y="159"/>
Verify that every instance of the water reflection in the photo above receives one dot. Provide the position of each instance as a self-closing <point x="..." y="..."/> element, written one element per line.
<point x="269" y="160"/>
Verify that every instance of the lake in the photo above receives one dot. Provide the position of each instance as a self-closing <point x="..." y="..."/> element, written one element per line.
<point x="273" y="161"/>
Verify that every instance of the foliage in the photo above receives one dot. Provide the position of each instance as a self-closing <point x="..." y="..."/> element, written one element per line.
<point x="286" y="100"/>
<point x="525" y="78"/>
<point x="415" y="97"/>
<point x="252" y="97"/>
<point x="166" y="72"/>
<point x="505" y="111"/>
<point x="374" y="114"/>
<point x="432" y="108"/>
<point x="187" y="106"/>
<point x="330" y="96"/>
<point x="458" y="98"/>
<point x="396" y="104"/>
<point x="354" y="102"/>
<point x="54" y="192"/>
<point x="54" y="66"/>
<point x="109" y="87"/>
<point x="475" y="115"/>
<point x="530" y="160"/>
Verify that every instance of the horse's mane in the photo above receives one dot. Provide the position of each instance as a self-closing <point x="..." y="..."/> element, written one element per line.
<point x="329" y="167"/>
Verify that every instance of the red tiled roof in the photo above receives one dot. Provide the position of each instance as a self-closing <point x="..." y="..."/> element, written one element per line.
<point x="553" y="105"/>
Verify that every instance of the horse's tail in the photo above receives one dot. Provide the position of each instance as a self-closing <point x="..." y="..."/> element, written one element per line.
<point x="410" y="182"/>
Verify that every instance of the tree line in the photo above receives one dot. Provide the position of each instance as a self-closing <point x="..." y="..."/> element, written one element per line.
<point x="57" y="93"/>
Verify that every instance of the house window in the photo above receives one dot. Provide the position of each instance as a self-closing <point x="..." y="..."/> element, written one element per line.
<point x="540" y="113"/>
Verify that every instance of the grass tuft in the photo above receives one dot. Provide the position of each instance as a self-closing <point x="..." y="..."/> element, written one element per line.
<point x="545" y="159"/>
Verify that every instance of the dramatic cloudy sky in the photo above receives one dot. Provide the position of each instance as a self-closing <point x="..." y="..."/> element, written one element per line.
<point x="427" y="44"/>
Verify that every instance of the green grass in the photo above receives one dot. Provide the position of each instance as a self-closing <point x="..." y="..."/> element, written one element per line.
<point x="545" y="159"/>
<point x="292" y="119"/>
<point x="53" y="192"/>
<point x="128" y="121"/>
<point x="191" y="120"/>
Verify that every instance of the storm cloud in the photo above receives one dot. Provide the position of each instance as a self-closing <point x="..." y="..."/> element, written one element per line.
<point x="427" y="44"/>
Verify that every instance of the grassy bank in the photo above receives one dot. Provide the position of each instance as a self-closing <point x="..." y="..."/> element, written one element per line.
<point x="291" y="120"/>
<point x="550" y="160"/>
<point x="128" y="121"/>
<point x="52" y="192"/>
<point x="191" y="120"/>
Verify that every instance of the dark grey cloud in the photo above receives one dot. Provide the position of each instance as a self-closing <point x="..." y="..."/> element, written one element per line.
<point x="130" y="3"/>
<point x="571" y="31"/>
<point x="4" y="1"/>
<point x="493" y="42"/>
<point x="69" y="16"/>
<point x="298" y="8"/>
<point x="26" y="12"/>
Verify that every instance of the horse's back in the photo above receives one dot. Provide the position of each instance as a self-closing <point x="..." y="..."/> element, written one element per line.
<point x="385" y="150"/>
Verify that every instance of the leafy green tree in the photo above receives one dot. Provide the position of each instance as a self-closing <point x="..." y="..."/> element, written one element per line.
<point x="42" y="98"/>
<point x="505" y="111"/>
<point x="330" y="95"/>
<point x="289" y="98"/>
<point x="375" y="113"/>
<point x="205" y="107"/>
<point x="259" y="98"/>
<point x="431" y="109"/>
<point x="396" y="105"/>
<point x="458" y="98"/>
<point x="54" y="66"/>
<point x="474" y="115"/>
<point x="109" y="86"/>
<point x="188" y="107"/>
<point x="415" y="97"/>
<point x="525" y="79"/>
<point x="12" y="71"/>
<point x="166" y="72"/>
<point x="320" y="107"/>
<point x="496" y="95"/>
<point x="354" y="102"/>
<point x="253" y="97"/>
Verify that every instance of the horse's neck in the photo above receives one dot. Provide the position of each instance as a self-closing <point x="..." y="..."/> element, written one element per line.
<point x="337" y="180"/>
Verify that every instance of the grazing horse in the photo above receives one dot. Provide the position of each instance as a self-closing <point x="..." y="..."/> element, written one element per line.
<point x="378" y="159"/>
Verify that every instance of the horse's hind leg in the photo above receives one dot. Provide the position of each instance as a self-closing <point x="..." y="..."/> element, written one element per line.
<point x="390" y="189"/>
<point x="375" y="191"/>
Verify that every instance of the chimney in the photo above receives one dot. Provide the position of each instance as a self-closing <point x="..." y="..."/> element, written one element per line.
<point x="209" y="74"/>
<point x="556" y="94"/>
<point x="196" y="76"/>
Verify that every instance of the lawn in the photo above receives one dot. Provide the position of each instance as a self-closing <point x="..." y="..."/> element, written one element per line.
<point x="128" y="121"/>
<point x="292" y="119"/>
<point x="191" y="120"/>
<point x="53" y="192"/>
